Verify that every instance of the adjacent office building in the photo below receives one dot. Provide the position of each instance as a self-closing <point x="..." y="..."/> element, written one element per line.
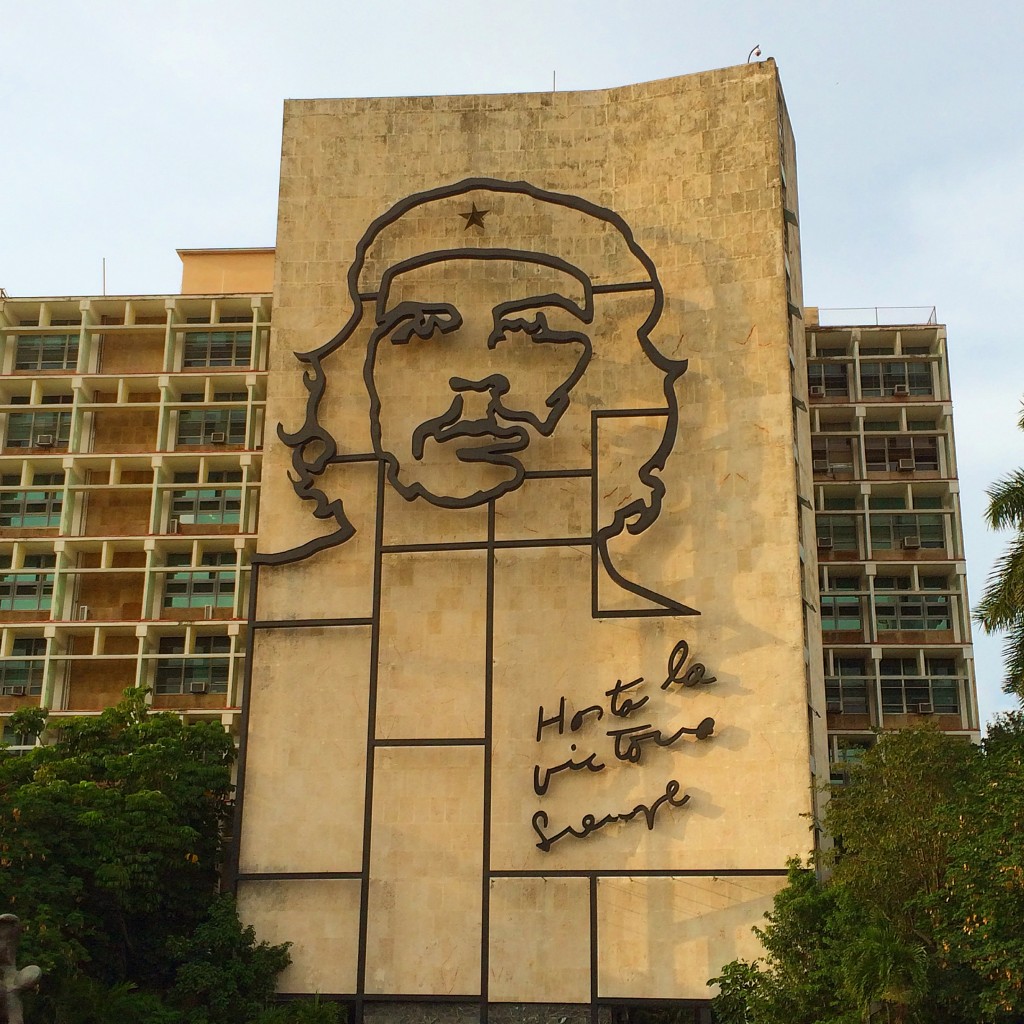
<point x="130" y="469"/>
<point x="892" y="582"/>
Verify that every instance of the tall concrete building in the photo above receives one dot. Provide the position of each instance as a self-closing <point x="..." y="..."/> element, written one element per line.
<point x="130" y="470"/>
<point x="892" y="581"/>
<point x="571" y="520"/>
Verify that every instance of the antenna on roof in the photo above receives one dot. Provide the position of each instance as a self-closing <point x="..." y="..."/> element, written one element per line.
<point x="552" y="81"/>
<point x="104" y="275"/>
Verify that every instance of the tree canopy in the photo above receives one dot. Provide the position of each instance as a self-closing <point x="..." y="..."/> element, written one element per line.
<point x="111" y="839"/>
<point x="1001" y="609"/>
<point x="922" y="917"/>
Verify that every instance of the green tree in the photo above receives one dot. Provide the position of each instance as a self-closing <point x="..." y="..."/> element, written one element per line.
<point x="872" y="935"/>
<point x="882" y="967"/>
<point x="1001" y="609"/>
<point x="893" y="829"/>
<point x="224" y="974"/>
<point x="980" y="912"/>
<point x="110" y="847"/>
<point x="797" y="981"/>
<point x="306" y="1011"/>
<point x="111" y="839"/>
<point x="896" y="823"/>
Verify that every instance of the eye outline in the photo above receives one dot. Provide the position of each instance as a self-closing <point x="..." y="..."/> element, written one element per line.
<point x="422" y="319"/>
<point x="539" y="331"/>
<point x="537" y="328"/>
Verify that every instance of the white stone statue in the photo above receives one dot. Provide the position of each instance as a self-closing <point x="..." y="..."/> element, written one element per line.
<point x="12" y="981"/>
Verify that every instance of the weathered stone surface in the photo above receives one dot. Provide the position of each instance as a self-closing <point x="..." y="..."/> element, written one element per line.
<point x="405" y="698"/>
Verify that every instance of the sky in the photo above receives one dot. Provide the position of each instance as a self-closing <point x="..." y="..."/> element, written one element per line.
<point x="135" y="128"/>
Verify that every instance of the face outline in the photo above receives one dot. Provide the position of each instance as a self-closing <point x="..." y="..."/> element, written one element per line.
<point x="606" y="246"/>
<point x="459" y="388"/>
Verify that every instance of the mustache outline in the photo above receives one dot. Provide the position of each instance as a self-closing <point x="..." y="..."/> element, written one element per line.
<point x="448" y="426"/>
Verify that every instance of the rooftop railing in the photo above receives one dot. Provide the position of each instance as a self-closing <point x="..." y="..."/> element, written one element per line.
<point x="877" y="316"/>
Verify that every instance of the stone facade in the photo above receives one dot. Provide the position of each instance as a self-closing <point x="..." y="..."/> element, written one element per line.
<point x="543" y="413"/>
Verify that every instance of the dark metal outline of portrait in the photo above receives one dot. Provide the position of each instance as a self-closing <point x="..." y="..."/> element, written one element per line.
<point x="311" y="437"/>
<point x="516" y="438"/>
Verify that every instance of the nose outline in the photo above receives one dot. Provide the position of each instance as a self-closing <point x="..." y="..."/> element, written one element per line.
<point x="496" y="383"/>
<point x="465" y="343"/>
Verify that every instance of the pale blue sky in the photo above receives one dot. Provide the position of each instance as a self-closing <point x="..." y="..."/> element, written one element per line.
<point x="132" y="128"/>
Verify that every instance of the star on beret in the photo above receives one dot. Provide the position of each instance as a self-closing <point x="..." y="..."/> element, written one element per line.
<point x="474" y="218"/>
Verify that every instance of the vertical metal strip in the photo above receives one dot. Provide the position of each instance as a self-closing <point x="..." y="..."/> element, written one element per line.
<point x="594" y="597"/>
<point x="231" y="867"/>
<point x="485" y="892"/>
<point x="594" y="959"/>
<point x="371" y="732"/>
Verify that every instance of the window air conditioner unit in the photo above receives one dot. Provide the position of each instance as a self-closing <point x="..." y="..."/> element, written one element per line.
<point x="821" y="465"/>
<point x="925" y="709"/>
<point x="824" y="543"/>
<point x="833" y="707"/>
<point x="13" y="691"/>
<point x="218" y="437"/>
<point x="901" y="390"/>
<point x="44" y="440"/>
<point x="906" y="465"/>
<point x="911" y="543"/>
<point x="83" y="611"/>
<point x="197" y="687"/>
<point x="174" y="526"/>
<point x="816" y="391"/>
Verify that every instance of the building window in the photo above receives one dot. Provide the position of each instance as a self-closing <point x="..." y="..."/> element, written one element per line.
<point x="909" y="531"/>
<point x="211" y="426"/>
<point x="828" y="380"/>
<point x="841" y="612"/>
<point x="846" y="692"/>
<point x="35" y="508"/>
<point x="902" y="452"/>
<point x="28" y="589"/>
<point x="837" y="532"/>
<point x="208" y="505"/>
<point x="46" y="352"/>
<point x="16" y="742"/>
<point x="837" y="582"/>
<point x="882" y="380"/>
<point x="912" y="611"/>
<point x="903" y="690"/>
<point x="20" y="677"/>
<point x="38" y="429"/>
<point x="207" y="672"/>
<point x="892" y="583"/>
<point x="846" y="752"/>
<point x="839" y="502"/>
<point x="201" y="588"/>
<point x="217" y="348"/>
<point x="945" y="686"/>
<point x="832" y="453"/>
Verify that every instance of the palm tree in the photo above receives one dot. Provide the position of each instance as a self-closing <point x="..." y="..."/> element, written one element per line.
<point x="882" y="967"/>
<point x="1001" y="608"/>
